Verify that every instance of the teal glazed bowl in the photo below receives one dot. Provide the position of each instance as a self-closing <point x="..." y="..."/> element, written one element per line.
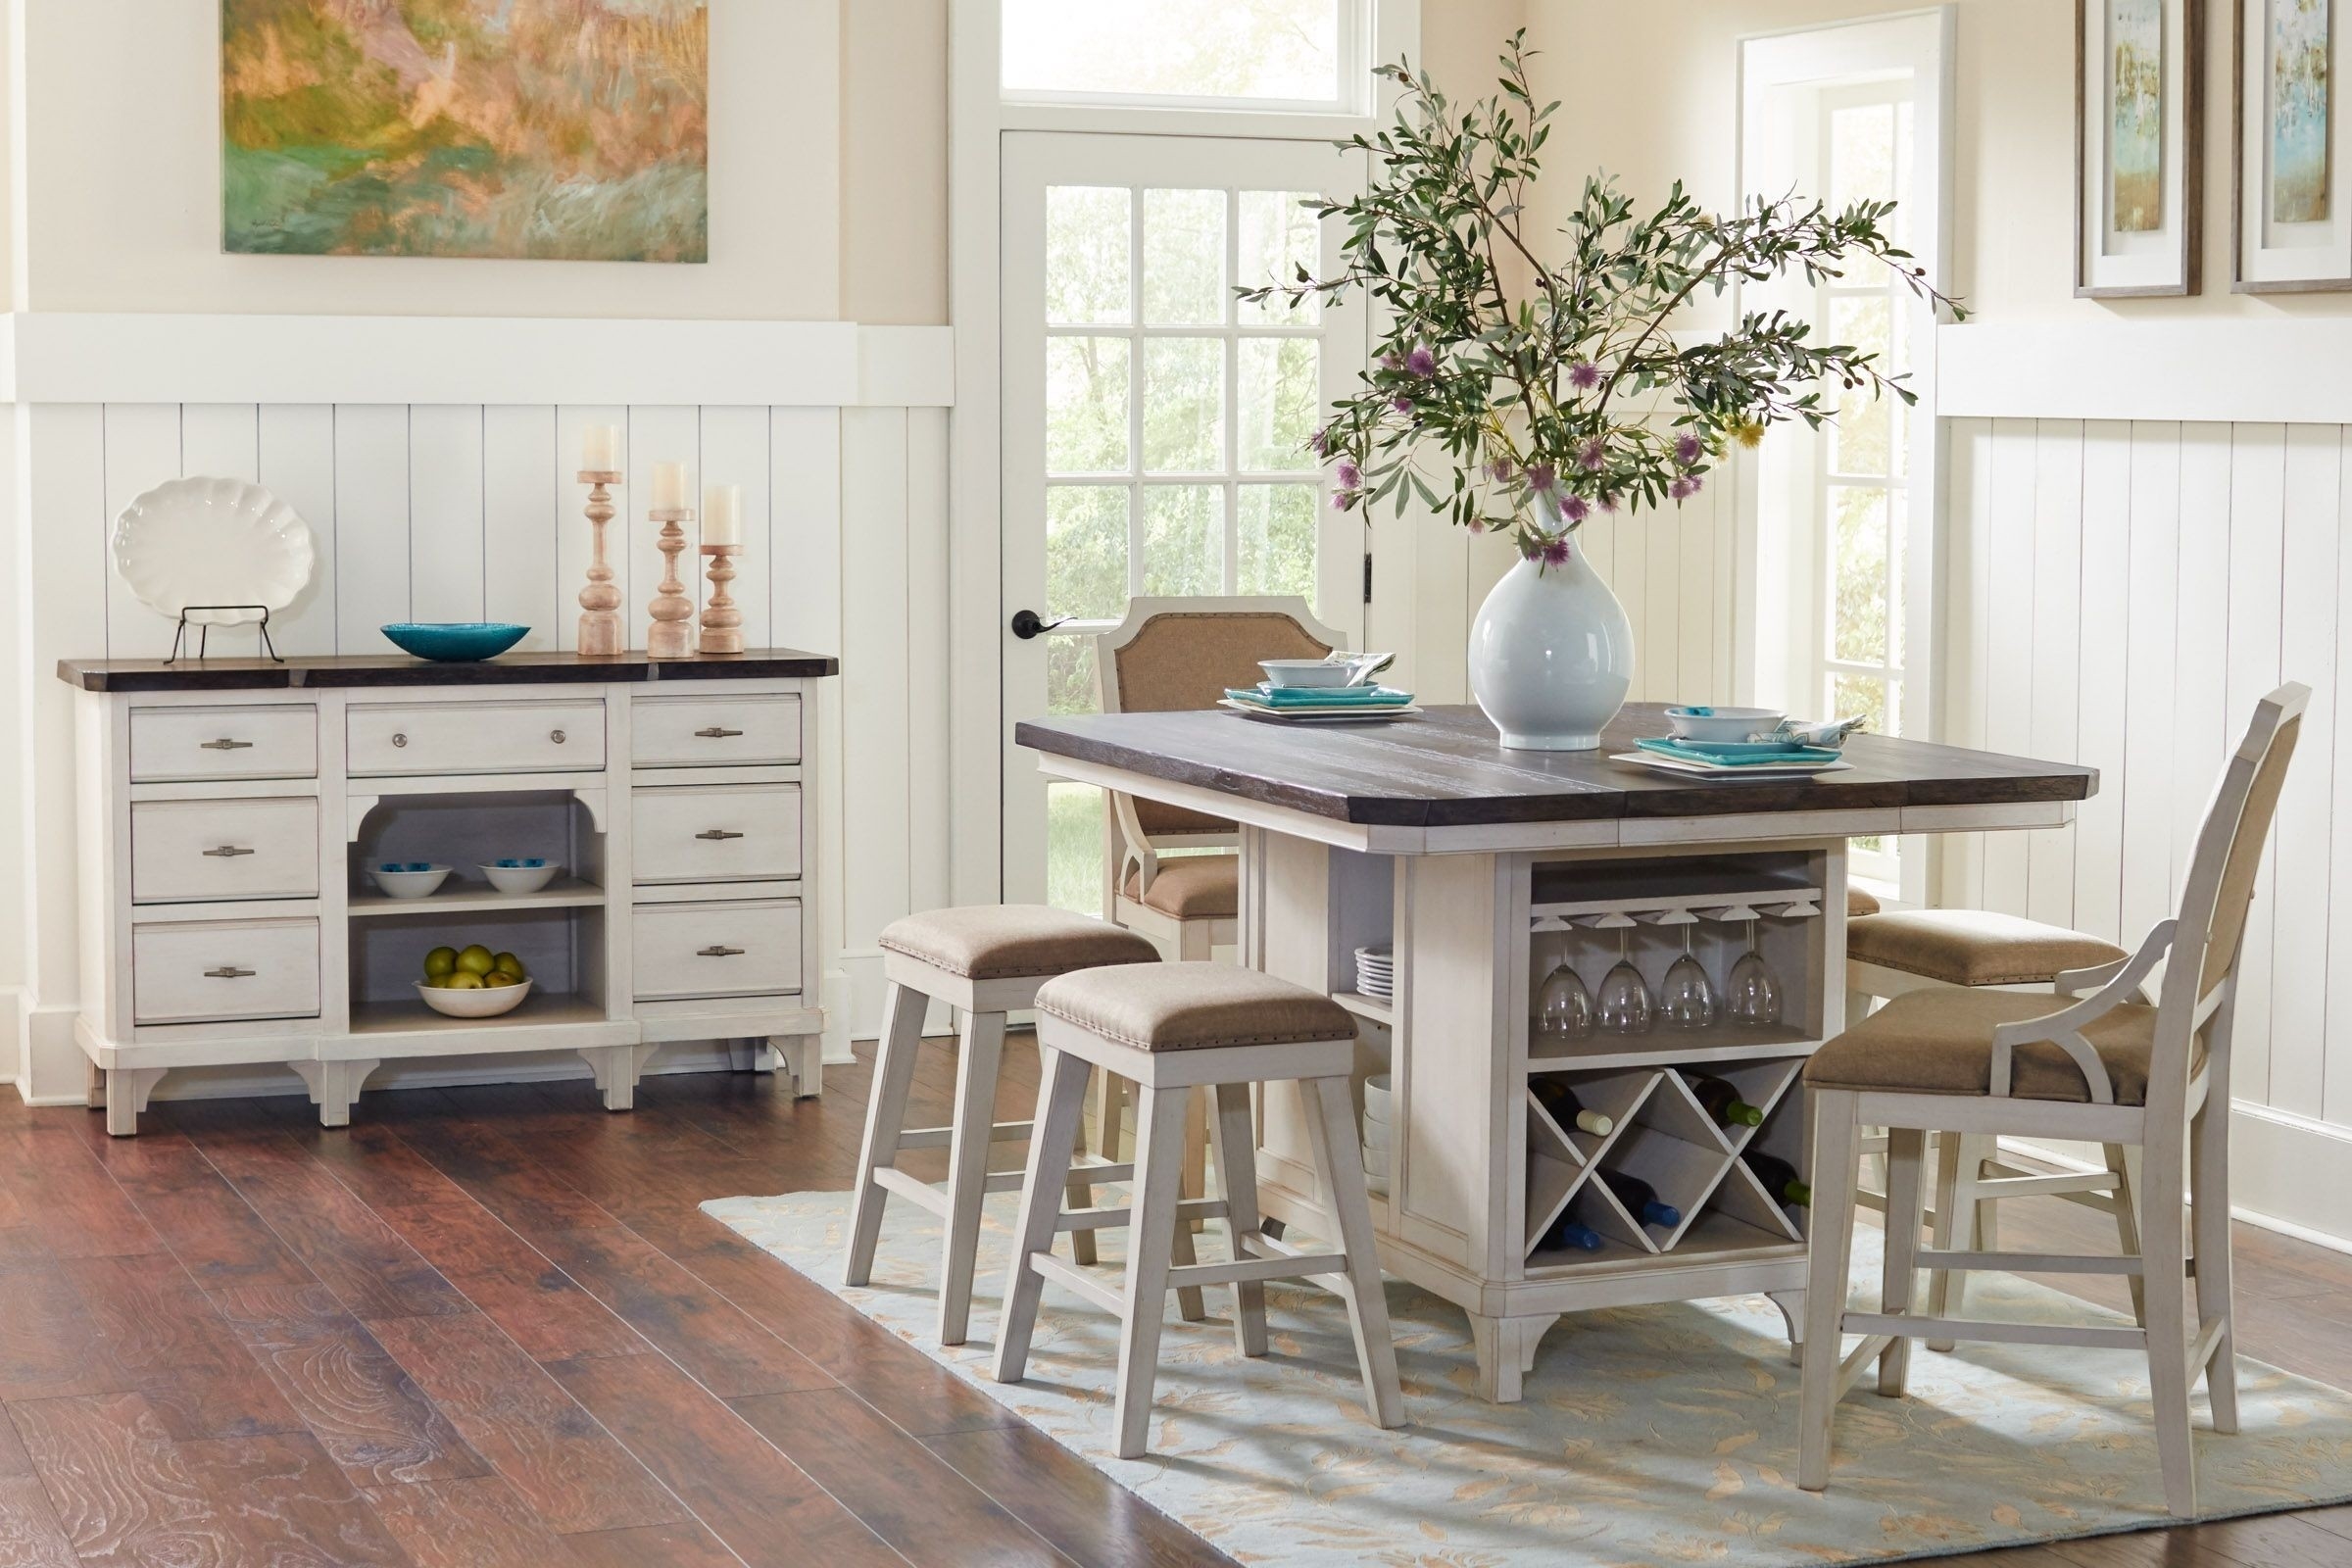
<point x="455" y="642"/>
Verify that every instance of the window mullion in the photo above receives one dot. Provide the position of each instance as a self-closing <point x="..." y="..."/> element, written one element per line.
<point x="1135" y="392"/>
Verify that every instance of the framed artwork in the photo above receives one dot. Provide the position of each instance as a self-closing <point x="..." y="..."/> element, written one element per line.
<point x="2290" y="209"/>
<point x="572" y="130"/>
<point x="2138" y="146"/>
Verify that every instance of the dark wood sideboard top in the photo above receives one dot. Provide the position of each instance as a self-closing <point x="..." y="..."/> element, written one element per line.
<point x="397" y="669"/>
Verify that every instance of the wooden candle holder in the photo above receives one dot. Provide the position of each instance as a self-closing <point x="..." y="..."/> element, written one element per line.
<point x="667" y="637"/>
<point x="600" y="601"/>
<point x="721" y="621"/>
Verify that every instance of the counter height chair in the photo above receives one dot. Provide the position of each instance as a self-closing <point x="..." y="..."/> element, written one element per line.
<point x="985" y="961"/>
<point x="1173" y="1029"/>
<point x="2109" y="1067"/>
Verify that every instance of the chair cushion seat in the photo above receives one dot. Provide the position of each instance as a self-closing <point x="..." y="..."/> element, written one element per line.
<point x="1940" y="1043"/>
<point x="1973" y="947"/>
<point x="1859" y="903"/>
<point x="1192" y="1006"/>
<point x="1013" y="941"/>
<point x="1192" y="887"/>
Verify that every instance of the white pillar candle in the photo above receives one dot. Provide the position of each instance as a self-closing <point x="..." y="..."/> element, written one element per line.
<point x="600" y="448"/>
<point x="669" y="487"/>
<point x="722" y="515"/>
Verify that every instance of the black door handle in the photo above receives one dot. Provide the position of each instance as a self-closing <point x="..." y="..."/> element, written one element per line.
<point x="1028" y="624"/>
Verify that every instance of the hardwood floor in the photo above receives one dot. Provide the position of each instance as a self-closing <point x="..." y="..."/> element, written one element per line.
<point x="491" y="1327"/>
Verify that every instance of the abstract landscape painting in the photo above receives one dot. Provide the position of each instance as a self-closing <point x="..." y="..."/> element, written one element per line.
<point x="560" y="130"/>
<point x="2299" y="111"/>
<point x="2135" y="115"/>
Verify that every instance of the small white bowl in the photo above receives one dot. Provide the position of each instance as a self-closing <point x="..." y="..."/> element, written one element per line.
<point x="1723" y="723"/>
<point x="409" y="884"/>
<point x="517" y="879"/>
<point x="487" y="1002"/>
<point x="1306" y="673"/>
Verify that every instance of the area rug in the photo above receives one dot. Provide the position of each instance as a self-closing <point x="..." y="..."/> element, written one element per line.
<point x="1649" y="1436"/>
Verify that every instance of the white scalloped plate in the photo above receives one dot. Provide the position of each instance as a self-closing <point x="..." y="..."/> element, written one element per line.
<point x="213" y="541"/>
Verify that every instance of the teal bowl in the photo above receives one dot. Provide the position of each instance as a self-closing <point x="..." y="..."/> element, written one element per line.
<point x="455" y="642"/>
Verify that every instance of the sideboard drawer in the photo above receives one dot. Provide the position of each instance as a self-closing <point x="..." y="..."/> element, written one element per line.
<point x="555" y="737"/>
<point x="716" y="833"/>
<point x="187" y="744"/>
<point x="714" y="731"/>
<point x="199" y="851"/>
<point x="683" y="951"/>
<point x="210" y="972"/>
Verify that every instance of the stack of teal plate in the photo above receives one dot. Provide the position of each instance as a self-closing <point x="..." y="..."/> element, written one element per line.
<point x="1319" y="703"/>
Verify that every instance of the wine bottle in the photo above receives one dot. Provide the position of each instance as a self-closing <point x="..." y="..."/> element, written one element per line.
<point x="1555" y="1097"/>
<point x="1642" y="1200"/>
<point x="1568" y="1232"/>
<point x="1722" y="1101"/>
<point x="1780" y="1178"/>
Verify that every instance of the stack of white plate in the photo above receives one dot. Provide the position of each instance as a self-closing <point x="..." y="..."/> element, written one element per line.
<point x="1376" y="1133"/>
<point x="1376" y="971"/>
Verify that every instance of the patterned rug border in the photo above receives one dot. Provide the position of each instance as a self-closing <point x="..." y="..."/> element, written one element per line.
<point x="904" y="1227"/>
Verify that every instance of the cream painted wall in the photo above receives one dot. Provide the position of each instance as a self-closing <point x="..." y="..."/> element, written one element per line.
<point x="894" y="162"/>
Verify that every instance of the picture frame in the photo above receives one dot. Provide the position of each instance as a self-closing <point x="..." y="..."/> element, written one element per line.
<point x="2290" y="161"/>
<point x="2139" y="186"/>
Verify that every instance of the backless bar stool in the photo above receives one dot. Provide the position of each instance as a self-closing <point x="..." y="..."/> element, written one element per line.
<point x="985" y="961"/>
<point x="1170" y="1029"/>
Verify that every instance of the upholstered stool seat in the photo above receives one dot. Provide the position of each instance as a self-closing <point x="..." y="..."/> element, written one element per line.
<point x="1170" y="1029"/>
<point x="1192" y="887"/>
<point x="1940" y="1043"/>
<point x="1859" y="903"/>
<point x="985" y="961"/>
<point x="1974" y="947"/>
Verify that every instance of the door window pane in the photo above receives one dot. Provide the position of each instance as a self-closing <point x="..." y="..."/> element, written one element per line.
<point x="1860" y="441"/>
<point x="1088" y="229"/>
<point x="1184" y="257"/>
<point x="1277" y="544"/>
<point x="1074" y="847"/>
<point x="1070" y="675"/>
<point x="1862" y="154"/>
<point x="1086" y="404"/>
<point x="1862" y="697"/>
<point x="1184" y="539"/>
<point x="1859" y="541"/>
<point x="1279" y="50"/>
<point x="1279" y="235"/>
<point x="1086" y="551"/>
<point x="1280" y="387"/>
<point x="1184" y="405"/>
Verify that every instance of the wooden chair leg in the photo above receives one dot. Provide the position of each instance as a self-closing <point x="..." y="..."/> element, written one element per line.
<point x="1331" y="1132"/>
<point x="2208" y="1139"/>
<point x="969" y="1138"/>
<point x="2167" y="1265"/>
<point x="885" y="1118"/>
<point x="1151" y="1241"/>
<point x="1080" y="1194"/>
<point x="1237" y="1176"/>
<point x="1193" y="1183"/>
<point x="1195" y="941"/>
<point x="1959" y="1214"/>
<point x="2124" y="1161"/>
<point x="1060" y="1098"/>
<point x="1906" y="1153"/>
<point x="1833" y="1241"/>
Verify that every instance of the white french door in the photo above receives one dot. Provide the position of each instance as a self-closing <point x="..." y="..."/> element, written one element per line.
<point x="1155" y="428"/>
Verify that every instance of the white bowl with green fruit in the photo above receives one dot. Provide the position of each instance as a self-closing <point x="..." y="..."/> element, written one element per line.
<point x="473" y="982"/>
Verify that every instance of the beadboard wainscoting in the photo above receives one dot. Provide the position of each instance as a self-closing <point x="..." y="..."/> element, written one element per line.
<point x="464" y="512"/>
<point x="2120" y="593"/>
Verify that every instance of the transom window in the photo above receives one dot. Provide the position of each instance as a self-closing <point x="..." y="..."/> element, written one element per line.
<point x="1299" y="55"/>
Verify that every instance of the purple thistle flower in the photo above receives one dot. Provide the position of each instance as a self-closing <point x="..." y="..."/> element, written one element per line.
<point x="1321" y="442"/>
<point x="1351" y="478"/>
<point x="1342" y="500"/>
<point x="1686" y="449"/>
<point x="1500" y="470"/>
<point x="1541" y="477"/>
<point x="1391" y="361"/>
<point x="1421" y="363"/>
<point x="1584" y="375"/>
<point x="1556" y="551"/>
<point x="1477" y="525"/>
<point x="1592" y="452"/>
<point x="1608" y="502"/>
<point x="1683" y="487"/>
<point x="1575" y="508"/>
<point x="1402" y="404"/>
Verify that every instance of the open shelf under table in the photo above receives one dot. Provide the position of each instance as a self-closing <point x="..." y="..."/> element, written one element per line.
<point x="1714" y="1237"/>
<point x="540" y="1009"/>
<point x="565" y="893"/>
<point x="1376" y="1008"/>
<point x="1666" y="1048"/>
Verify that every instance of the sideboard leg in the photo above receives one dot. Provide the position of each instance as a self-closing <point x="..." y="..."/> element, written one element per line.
<point x="1793" y="1310"/>
<point x="1500" y="1359"/>
<point x="617" y="1070"/>
<point x="95" y="1090"/>
<point x="753" y="1055"/>
<point x="1531" y="1333"/>
<point x="127" y="1091"/>
<point x="335" y="1086"/>
<point x="804" y="1058"/>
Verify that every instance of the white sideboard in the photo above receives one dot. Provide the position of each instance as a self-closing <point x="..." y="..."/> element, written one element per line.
<point x="234" y="808"/>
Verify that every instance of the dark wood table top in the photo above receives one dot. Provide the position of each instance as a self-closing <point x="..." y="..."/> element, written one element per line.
<point x="397" y="669"/>
<point x="1446" y="769"/>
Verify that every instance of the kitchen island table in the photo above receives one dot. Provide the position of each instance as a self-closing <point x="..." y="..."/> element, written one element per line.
<point x="1485" y="870"/>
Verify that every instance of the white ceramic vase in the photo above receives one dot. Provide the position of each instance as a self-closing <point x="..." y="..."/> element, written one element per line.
<point x="1551" y="656"/>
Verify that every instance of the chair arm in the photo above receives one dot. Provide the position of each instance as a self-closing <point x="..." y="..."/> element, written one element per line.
<point x="2064" y="1028"/>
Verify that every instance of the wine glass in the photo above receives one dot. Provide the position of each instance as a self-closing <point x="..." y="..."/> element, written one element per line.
<point x="1563" y="1007"/>
<point x="1623" y="1006"/>
<point x="1754" y="995"/>
<point x="1686" y="998"/>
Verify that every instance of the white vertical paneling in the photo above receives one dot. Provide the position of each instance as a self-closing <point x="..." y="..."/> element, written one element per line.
<point x="2106" y="622"/>
<point x="2335" y="1085"/>
<point x="140" y="446"/>
<point x="926" y="567"/>
<point x="221" y="438"/>
<point x="658" y="433"/>
<point x="2151" y="576"/>
<point x="876" y="679"/>
<point x="1730" y="620"/>
<point x="1967" y="579"/>
<point x="574" y="538"/>
<point x="2201" y="616"/>
<point x="2308" y="610"/>
<point x="735" y="451"/>
<point x="445" y="511"/>
<point x="371" y="522"/>
<point x="2057" y="558"/>
<point x="2009" y="660"/>
<point x="297" y="444"/>
<point x="521" y="582"/>
<point x="1630" y="551"/>
<point x="803" y="567"/>
<point x="1661" y="628"/>
<point x="2257" y="554"/>
<point x="1694" y="577"/>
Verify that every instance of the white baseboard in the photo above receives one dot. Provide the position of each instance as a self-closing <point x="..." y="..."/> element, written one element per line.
<point x="13" y="1004"/>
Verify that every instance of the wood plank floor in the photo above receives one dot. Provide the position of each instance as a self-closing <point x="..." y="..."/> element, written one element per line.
<point x="490" y="1327"/>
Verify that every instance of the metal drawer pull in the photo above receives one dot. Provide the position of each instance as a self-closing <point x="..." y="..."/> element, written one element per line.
<point x="400" y="740"/>
<point x="556" y="735"/>
<point x="228" y="971"/>
<point x="718" y="732"/>
<point x="719" y="833"/>
<point x="226" y="851"/>
<point x="224" y="743"/>
<point x="719" y="952"/>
